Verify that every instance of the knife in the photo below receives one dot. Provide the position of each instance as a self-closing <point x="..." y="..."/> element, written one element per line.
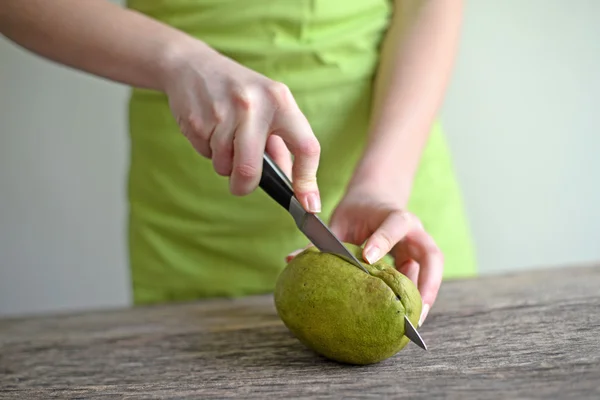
<point x="277" y="185"/>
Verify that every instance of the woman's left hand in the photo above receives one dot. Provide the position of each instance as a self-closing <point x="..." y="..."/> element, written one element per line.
<point x="388" y="228"/>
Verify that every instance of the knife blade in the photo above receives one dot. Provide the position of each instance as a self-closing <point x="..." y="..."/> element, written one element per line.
<point x="321" y="236"/>
<point x="411" y="332"/>
<point x="277" y="185"/>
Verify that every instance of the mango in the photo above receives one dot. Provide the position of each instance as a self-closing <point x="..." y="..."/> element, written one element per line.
<point x="342" y="313"/>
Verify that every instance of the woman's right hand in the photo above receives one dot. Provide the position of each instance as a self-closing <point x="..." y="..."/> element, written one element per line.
<point x="231" y="114"/>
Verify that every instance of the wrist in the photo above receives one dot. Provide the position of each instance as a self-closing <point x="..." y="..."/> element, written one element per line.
<point x="176" y="55"/>
<point x="386" y="179"/>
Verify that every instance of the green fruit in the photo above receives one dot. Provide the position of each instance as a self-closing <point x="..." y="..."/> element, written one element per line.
<point x="341" y="312"/>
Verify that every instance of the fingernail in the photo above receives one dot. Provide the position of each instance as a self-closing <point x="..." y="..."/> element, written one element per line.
<point x="424" y="313"/>
<point x="313" y="203"/>
<point x="293" y="254"/>
<point x="372" y="254"/>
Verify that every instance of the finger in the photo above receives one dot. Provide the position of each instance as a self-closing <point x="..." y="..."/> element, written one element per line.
<point x="248" y="149"/>
<point x="410" y="268"/>
<point x="196" y="141"/>
<point x="393" y="229"/>
<point x="200" y="122"/>
<point x="294" y="253"/>
<point x="347" y="232"/>
<point x="295" y="130"/>
<point x="200" y="145"/>
<point x="346" y="228"/>
<point x="430" y="274"/>
<point x="339" y="226"/>
<point x="421" y="247"/>
<point x="221" y="142"/>
<point x="279" y="152"/>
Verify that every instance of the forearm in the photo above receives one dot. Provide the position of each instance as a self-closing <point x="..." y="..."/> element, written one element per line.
<point x="417" y="57"/>
<point x="94" y="36"/>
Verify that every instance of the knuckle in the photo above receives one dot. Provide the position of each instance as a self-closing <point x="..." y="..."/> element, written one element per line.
<point x="243" y="98"/>
<point x="217" y="113"/>
<point x="309" y="147"/>
<point x="403" y="216"/>
<point x="304" y="185"/>
<point x="246" y="171"/>
<point x="221" y="144"/>
<point x="195" y="123"/>
<point x="196" y="127"/>
<point x="279" y="93"/>
<point x="433" y="251"/>
<point x="224" y="147"/>
<point x="385" y="239"/>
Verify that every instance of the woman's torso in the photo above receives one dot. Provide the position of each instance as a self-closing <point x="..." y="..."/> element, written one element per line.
<point x="189" y="237"/>
<point x="309" y="44"/>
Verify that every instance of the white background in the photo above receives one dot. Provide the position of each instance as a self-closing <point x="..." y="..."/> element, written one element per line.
<point x="522" y="116"/>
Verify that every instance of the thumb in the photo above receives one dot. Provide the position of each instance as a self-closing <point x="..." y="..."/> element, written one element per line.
<point x="393" y="229"/>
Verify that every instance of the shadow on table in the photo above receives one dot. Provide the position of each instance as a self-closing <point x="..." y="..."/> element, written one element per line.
<point x="267" y="343"/>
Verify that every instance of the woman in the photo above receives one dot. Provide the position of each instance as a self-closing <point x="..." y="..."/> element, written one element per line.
<point x="350" y="88"/>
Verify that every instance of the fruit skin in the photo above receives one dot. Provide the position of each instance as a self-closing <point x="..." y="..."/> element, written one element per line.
<point x="342" y="313"/>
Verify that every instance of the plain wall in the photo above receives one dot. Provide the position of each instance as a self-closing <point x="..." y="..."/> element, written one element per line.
<point x="520" y="116"/>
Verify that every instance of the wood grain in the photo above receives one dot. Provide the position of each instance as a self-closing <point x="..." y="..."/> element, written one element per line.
<point x="521" y="336"/>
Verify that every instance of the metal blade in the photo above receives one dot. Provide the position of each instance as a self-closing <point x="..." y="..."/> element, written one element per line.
<point x="320" y="235"/>
<point x="411" y="333"/>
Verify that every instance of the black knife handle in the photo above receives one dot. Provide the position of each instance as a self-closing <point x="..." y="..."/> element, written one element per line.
<point x="275" y="183"/>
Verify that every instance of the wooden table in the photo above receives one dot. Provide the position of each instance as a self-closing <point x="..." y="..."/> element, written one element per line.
<point x="527" y="335"/>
